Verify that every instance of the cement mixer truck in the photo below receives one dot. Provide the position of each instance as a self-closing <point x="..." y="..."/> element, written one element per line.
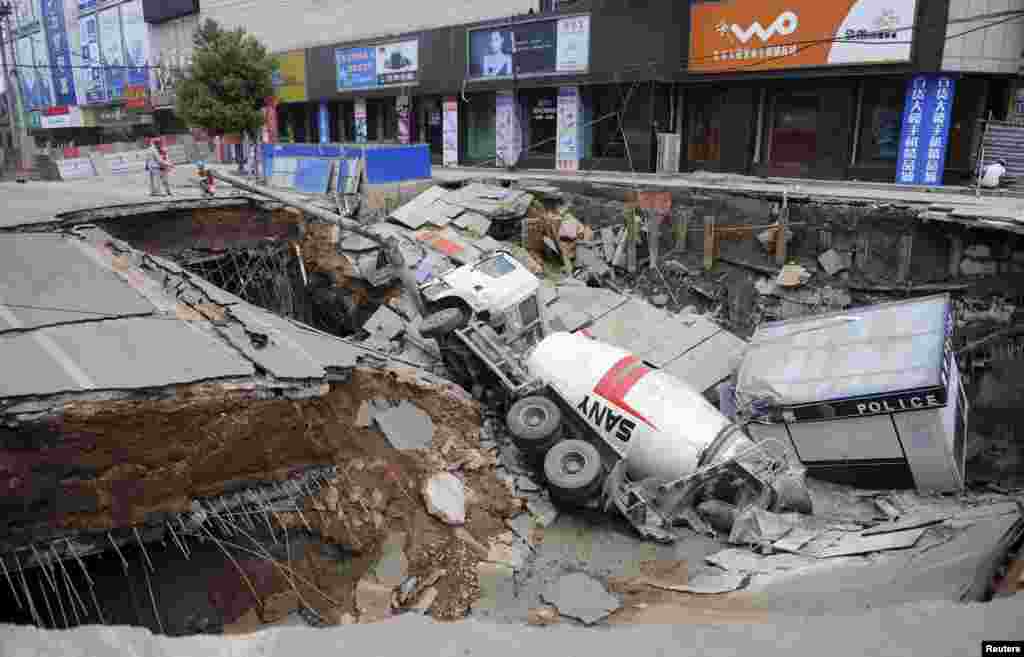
<point x="603" y="429"/>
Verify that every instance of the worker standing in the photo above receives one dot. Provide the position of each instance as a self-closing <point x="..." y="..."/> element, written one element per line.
<point x="164" y="167"/>
<point x="153" y="166"/>
<point x="992" y="174"/>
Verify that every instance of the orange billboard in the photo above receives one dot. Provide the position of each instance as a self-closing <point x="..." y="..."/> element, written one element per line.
<point x="746" y="35"/>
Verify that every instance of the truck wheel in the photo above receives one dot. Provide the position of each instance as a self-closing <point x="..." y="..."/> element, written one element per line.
<point x="441" y="323"/>
<point x="573" y="471"/>
<point x="535" y="424"/>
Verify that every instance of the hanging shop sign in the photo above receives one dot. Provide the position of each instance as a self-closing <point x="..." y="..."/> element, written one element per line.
<point x="94" y="80"/>
<point x="289" y="79"/>
<point x="403" y="107"/>
<point x="41" y="84"/>
<point x="112" y="117"/>
<point x="359" y="116"/>
<point x="927" y="112"/>
<point x="62" y="72"/>
<point x="508" y="135"/>
<point x="568" y="129"/>
<point x="382" y="65"/>
<point x="135" y="97"/>
<point x="745" y="35"/>
<point x="533" y="48"/>
<point x="136" y="41"/>
<point x="450" y="130"/>
<point x="61" y="117"/>
<point x="112" y="59"/>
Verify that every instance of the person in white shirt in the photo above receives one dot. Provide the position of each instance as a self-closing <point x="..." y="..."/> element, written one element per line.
<point x="497" y="61"/>
<point x="991" y="175"/>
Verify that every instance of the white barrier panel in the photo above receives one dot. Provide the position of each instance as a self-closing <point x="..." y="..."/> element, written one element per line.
<point x="76" y="167"/>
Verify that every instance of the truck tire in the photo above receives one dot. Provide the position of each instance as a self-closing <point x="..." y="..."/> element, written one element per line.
<point x="441" y="323"/>
<point x="535" y="424"/>
<point x="573" y="471"/>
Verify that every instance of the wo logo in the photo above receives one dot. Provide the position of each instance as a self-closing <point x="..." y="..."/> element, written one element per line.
<point x="784" y="24"/>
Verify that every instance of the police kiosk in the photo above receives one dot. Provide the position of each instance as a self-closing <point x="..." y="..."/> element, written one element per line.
<point x="869" y="397"/>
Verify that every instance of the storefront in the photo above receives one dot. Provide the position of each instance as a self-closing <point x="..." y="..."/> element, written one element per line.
<point x="758" y="99"/>
<point x="292" y="106"/>
<point x="365" y="93"/>
<point x="530" y="111"/>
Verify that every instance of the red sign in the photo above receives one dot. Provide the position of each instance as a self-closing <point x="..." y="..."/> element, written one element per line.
<point x="135" y="96"/>
<point x="72" y="151"/>
<point x="105" y="148"/>
<point x="57" y="110"/>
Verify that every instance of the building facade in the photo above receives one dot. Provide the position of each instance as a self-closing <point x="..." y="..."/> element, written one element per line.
<point x="860" y="89"/>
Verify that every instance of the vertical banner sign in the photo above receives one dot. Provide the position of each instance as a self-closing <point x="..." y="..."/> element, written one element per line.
<point x="573" y="45"/>
<point x="450" y="156"/>
<point x="507" y="135"/>
<point x="927" y="112"/>
<point x="568" y="129"/>
<point x="42" y="79"/>
<point x="360" y="120"/>
<point x="136" y="40"/>
<point x="112" y="52"/>
<point x="96" y="86"/>
<point x="403" y="105"/>
<point x="60" y="52"/>
<point x="324" y="122"/>
<point x="29" y="95"/>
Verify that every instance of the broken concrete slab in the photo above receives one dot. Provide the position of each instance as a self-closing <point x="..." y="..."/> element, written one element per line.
<point x="832" y="262"/>
<point x="796" y="539"/>
<point x="582" y="597"/>
<point x="713" y="583"/>
<point x="473" y="221"/>
<point x="747" y="561"/>
<point x="850" y="544"/>
<point x="405" y="426"/>
<point x="754" y="526"/>
<point x="913" y="522"/>
<point x="445" y="497"/>
<point x="385" y="323"/>
<point x="364" y="416"/>
<point x="523" y="526"/>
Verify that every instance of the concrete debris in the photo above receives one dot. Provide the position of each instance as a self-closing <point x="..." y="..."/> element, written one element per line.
<point x="445" y="496"/>
<point x="513" y="556"/>
<point x="405" y="426"/>
<point x="795" y="540"/>
<point x="385" y="323"/>
<point x="474" y="222"/>
<point x="373" y="600"/>
<point x="793" y="276"/>
<point x="364" y="416"/>
<point x="425" y="601"/>
<point x="755" y="526"/>
<point x="544" y="512"/>
<point x="527" y="485"/>
<point x="542" y="616"/>
<point x="392" y="567"/>
<point x="720" y="515"/>
<point x="522" y="525"/>
<point x="911" y="522"/>
<point x="764" y="287"/>
<point x="850" y="544"/>
<point x="714" y="583"/>
<point x="582" y="597"/>
<point x="732" y="559"/>
<point x="833" y="262"/>
<point x="659" y="300"/>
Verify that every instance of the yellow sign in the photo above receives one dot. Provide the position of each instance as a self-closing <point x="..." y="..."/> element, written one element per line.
<point x="290" y="77"/>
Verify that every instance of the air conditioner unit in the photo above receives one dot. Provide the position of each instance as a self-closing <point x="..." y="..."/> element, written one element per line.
<point x="669" y="144"/>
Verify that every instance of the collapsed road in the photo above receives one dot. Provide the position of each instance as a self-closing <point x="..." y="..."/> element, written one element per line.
<point x="161" y="424"/>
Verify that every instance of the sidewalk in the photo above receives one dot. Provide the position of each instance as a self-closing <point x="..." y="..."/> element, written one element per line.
<point x="957" y="202"/>
<point x="36" y="202"/>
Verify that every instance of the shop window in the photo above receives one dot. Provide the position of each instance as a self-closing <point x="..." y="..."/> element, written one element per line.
<point x="540" y="111"/>
<point x="480" y="128"/>
<point x="704" y="127"/>
<point x="794" y="133"/>
<point x="881" y="121"/>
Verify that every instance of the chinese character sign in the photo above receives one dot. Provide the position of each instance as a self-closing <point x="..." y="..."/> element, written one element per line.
<point x="508" y="137"/>
<point x="95" y="82"/>
<point x="136" y="40"/>
<point x="568" y="129"/>
<point x="60" y="52"/>
<point x="927" y="113"/>
<point x="451" y="132"/>
<point x="389" y="64"/>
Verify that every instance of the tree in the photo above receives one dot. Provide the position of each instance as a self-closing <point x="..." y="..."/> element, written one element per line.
<point x="224" y="88"/>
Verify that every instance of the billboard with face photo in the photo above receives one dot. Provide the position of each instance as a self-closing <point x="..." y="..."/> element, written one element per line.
<point x="533" y="48"/>
<point x="491" y="53"/>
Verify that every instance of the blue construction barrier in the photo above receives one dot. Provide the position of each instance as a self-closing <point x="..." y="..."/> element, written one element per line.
<point x="305" y="166"/>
